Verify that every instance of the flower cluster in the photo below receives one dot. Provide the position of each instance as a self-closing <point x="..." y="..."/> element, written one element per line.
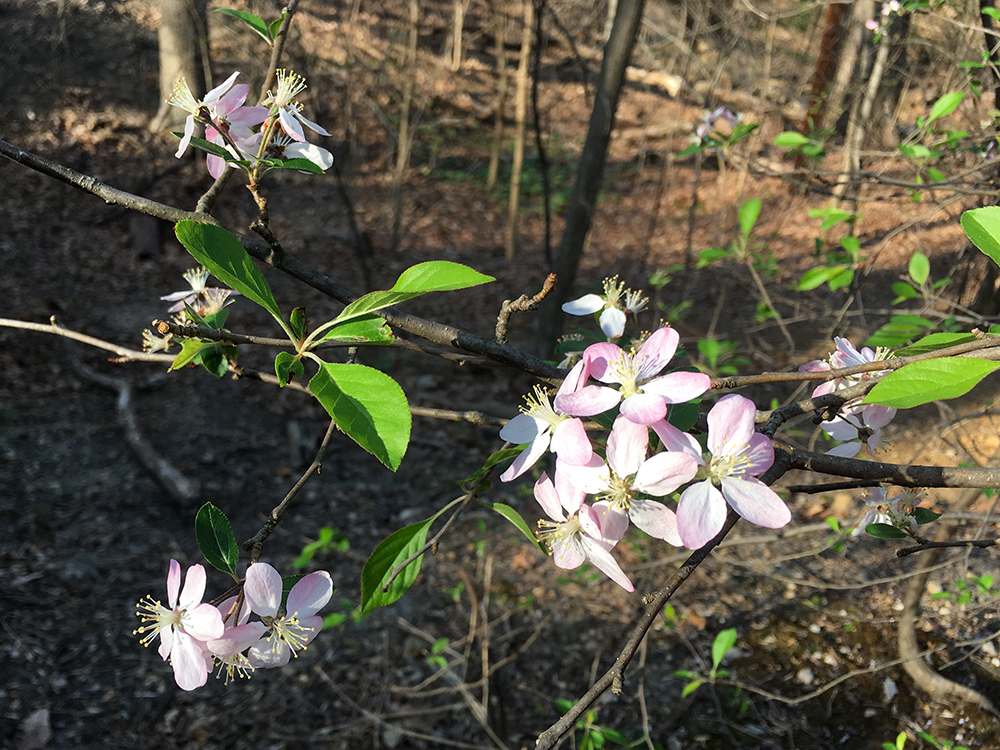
<point x="195" y="636"/>
<point x="897" y="511"/>
<point x="709" y="120"/>
<point x="202" y="299"/>
<point x="234" y="127"/>
<point x="629" y="479"/>
<point x="857" y="424"/>
<point x="880" y="25"/>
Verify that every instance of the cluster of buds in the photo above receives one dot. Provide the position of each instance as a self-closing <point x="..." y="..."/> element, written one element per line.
<point x="857" y="424"/>
<point x="251" y="134"/>
<point x="624" y="481"/>
<point x="196" y="636"/>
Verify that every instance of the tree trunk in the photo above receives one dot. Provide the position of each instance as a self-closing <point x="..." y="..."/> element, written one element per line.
<point x="591" y="168"/>
<point x="403" y="141"/>
<point x="183" y="39"/>
<point x="459" y="26"/>
<point x="521" y="118"/>
<point x="501" y="65"/>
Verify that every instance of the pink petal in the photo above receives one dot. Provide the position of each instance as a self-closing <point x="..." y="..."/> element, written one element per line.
<point x="607" y="564"/>
<point x="186" y="138"/>
<point x="588" y="401"/>
<point x="877" y="417"/>
<point x="190" y="670"/>
<point x="545" y="494"/>
<point x="627" y="445"/>
<point x="237" y="639"/>
<point x="847" y="450"/>
<point x="166" y="642"/>
<point x="656" y="519"/>
<point x="701" y="514"/>
<point x="840" y="429"/>
<point x="310" y="594"/>
<point x="611" y="522"/>
<point x="570" y="496"/>
<point x="675" y="440"/>
<point x="570" y="442"/>
<point x="567" y="552"/>
<point x="290" y="125"/>
<point x="527" y="458"/>
<point x="231" y="100"/>
<point x="194" y="587"/>
<point x="216" y="165"/>
<point x="644" y="408"/>
<point x="599" y="357"/>
<point x="760" y="454"/>
<point x="263" y="589"/>
<point x="246" y="117"/>
<point x="268" y="653"/>
<point x="678" y="387"/>
<point x="522" y="429"/>
<point x="730" y="425"/>
<point x="756" y="502"/>
<point x="576" y="378"/>
<point x="203" y="622"/>
<point x="311" y="125"/>
<point x="173" y="582"/>
<point x="664" y="473"/>
<point x="656" y="352"/>
<point x="221" y="89"/>
<point x="226" y="610"/>
<point x="590" y="478"/>
<point x="612" y="322"/>
<point x="586" y="305"/>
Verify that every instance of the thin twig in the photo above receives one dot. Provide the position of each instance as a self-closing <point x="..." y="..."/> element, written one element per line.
<point x="124" y="354"/>
<point x="967" y="543"/>
<point x="523" y="303"/>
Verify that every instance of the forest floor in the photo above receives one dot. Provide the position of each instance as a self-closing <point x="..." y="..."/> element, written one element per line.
<point x="90" y="531"/>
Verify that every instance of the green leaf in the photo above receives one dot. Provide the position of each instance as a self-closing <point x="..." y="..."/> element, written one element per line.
<point x="903" y="291"/>
<point x="432" y="276"/>
<point x="884" y="531"/>
<point x="369" y="329"/>
<point x="213" y="359"/>
<point x="301" y="165"/>
<point x="920" y="268"/>
<point x="841" y="280"/>
<point x="982" y="227"/>
<point x="930" y="380"/>
<point x="254" y="22"/>
<point x="190" y="348"/>
<point x="225" y="258"/>
<point x="711" y="254"/>
<point x="944" y="106"/>
<point x="388" y="555"/>
<point x="515" y="518"/>
<point x="815" y="277"/>
<point x="499" y="457"/>
<point x="691" y="687"/>
<point x="933" y="342"/>
<point x="925" y="515"/>
<point x="287" y="367"/>
<point x="683" y="416"/>
<point x="276" y="25"/>
<point x="852" y="245"/>
<point x="749" y="212"/>
<point x="298" y="323"/>
<point x="789" y="139"/>
<point x="368" y="406"/>
<point x="831" y="217"/>
<point x="208" y="146"/>
<point x="722" y="643"/>
<point x="216" y="539"/>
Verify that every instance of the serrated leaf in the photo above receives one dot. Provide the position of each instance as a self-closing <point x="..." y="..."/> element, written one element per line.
<point x="224" y="256"/>
<point x="388" y="555"/>
<point x="216" y="539"/>
<point x="920" y="268"/>
<point x="287" y="367"/>
<point x="369" y="329"/>
<point x="933" y="342"/>
<point x="368" y="406"/>
<point x="254" y="22"/>
<point x="982" y="227"/>
<point x="515" y="518"/>
<point x="884" y="531"/>
<point x="749" y="212"/>
<point x="432" y="276"/>
<point x="930" y="380"/>
<point x="944" y="106"/>
<point x="790" y="139"/>
<point x="724" y="641"/>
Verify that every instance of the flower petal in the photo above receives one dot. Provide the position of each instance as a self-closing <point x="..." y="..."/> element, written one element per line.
<point x="588" y="401"/>
<point x="527" y="458"/>
<point x="590" y="478"/>
<point x="318" y="156"/>
<point x="730" y="425"/>
<point x="576" y="378"/>
<point x="567" y="552"/>
<point x="612" y="322"/>
<point x="760" y="454"/>
<point x="701" y="514"/>
<point x="237" y="639"/>
<point x="221" y="89"/>
<point x="186" y="138"/>
<point x="678" y="387"/>
<point x="310" y="594"/>
<point x="545" y="494"/>
<point x="605" y="563"/>
<point x="611" y="522"/>
<point x="194" y="587"/>
<point x="173" y="582"/>
<point x="311" y="125"/>
<point x="756" y="502"/>
<point x="570" y="442"/>
<point x="644" y="408"/>
<point x="290" y="125"/>
<point x="571" y="497"/>
<point x="656" y="352"/>
<point x="675" y="440"/>
<point x="190" y="670"/>
<point x="664" y="473"/>
<point x="656" y="519"/>
<point x="263" y="589"/>
<point x="599" y="357"/>
<point x="846" y="450"/>
<point x="627" y="445"/>
<point x="586" y="305"/>
<point x="269" y="652"/>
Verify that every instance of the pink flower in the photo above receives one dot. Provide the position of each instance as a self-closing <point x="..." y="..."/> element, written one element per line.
<point x="292" y="631"/>
<point x="739" y="454"/>
<point x="896" y="511"/>
<point x="629" y="474"/>
<point x="231" y="117"/>
<point x="239" y="635"/>
<point x="203" y="111"/>
<point x="643" y="397"/>
<point x="574" y="533"/>
<point x="204" y="299"/>
<point x="183" y="627"/>
<point x="286" y="148"/>
<point x="541" y="426"/>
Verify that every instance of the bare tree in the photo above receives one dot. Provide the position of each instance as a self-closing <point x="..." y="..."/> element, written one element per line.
<point x="521" y="118"/>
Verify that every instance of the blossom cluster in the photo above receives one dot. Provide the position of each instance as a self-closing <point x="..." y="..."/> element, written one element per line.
<point x="897" y="511"/>
<point x="233" y="126"/>
<point x="204" y="300"/>
<point x="196" y="636"/>
<point x="625" y="479"/>
<point x="857" y="424"/>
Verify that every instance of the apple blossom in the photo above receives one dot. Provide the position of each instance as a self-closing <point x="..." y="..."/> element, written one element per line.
<point x="202" y="111"/>
<point x="289" y="111"/>
<point x="286" y="148"/>
<point x="644" y="398"/>
<point x="626" y="476"/>
<point x="540" y="426"/>
<point x="292" y="631"/>
<point x="227" y="650"/>
<point x="739" y="454"/>
<point x="205" y="300"/>
<point x="235" y="121"/>
<point x="896" y="511"/>
<point x="183" y="627"/>
<point x="574" y="534"/>
<point x="614" y="313"/>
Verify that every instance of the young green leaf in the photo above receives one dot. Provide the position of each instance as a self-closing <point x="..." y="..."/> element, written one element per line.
<point x="929" y="380"/>
<point x="368" y="406"/>
<point x="515" y="518"/>
<point x="276" y="25"/>
<point x="390" y="553"/>
<point x="982" y="227"/>
<point x="934" y="341"/>
<point x="724" y="641"/>
<point x="944" y="106"/>
<point x="496" y="458"/>
<point x="884" y="531"/>
<point x="370" y="329"/>
<point x="691" y="687"/>
<point x="920" y="268"/>
<point x="790" y="139"/>
<point x="815" y="277"/>
<point x="749" y="212"/>
<point x="207" y="146"/>
<point x="254" y="22"/>
<point x="224" y="256"/>
<point x="216" y="539"/>
<point x="287" y="367"/>
<point x="925" y="515"/>
<point x="301" y="165"/>
<point x="190" y="349"/>
<point x="298" y="323"/>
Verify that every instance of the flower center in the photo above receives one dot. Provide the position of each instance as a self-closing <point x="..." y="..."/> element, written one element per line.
<point x="290" y="84"/>
<point x="289" y="631"/>
<point x="735" y="465"/>
<point x="159" y="617"/>
<point x="619" y="494"/>
<point x="183" y="98"/>
<point x="613" y="290"/>
<point x="235" y="665"/>
<point x="552" y="532"/>
<point x="625" y="371"/>
<point x="539" y="407"/>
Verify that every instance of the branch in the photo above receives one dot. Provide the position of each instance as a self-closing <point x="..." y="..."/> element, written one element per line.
<point x="521" y="304"/>
<point x="124" y="354"/>
<point x="967" y="543"/>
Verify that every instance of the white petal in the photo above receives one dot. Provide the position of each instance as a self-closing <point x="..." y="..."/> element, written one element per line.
<point x="756" y="502"/>
<point x="701" y="514"/>
<point x="656" y="519"/>
<point x="586" y="305"/>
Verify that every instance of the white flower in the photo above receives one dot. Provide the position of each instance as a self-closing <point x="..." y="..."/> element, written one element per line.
<point x="199" y="110"/>
<point x="290" y="84"/>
